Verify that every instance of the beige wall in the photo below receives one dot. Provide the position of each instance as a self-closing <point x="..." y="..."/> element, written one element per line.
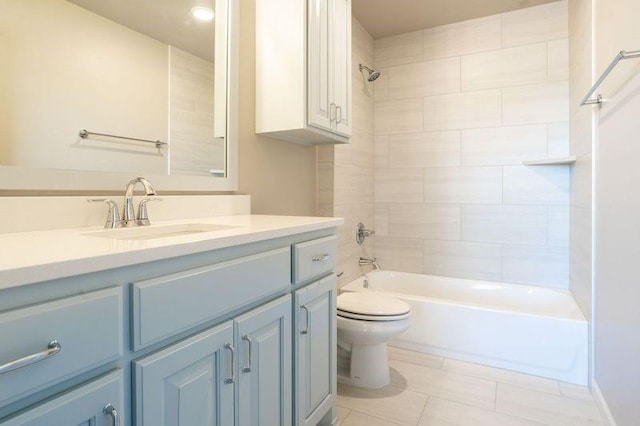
<point x="617" y="208"/>
<point x="279" y="176"/>
<point x="51" y="86"/>
<point x="457" y="110"/>
<point x="346" y="172"/>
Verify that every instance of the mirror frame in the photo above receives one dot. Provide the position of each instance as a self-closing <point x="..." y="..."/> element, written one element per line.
<point x="15" y="178"/>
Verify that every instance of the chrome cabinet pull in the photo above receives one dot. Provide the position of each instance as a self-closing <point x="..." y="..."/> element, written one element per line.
<point x="52" y="349"/>
<point x="231" y="349"/>
<point x="306" y="330"/>
<point x="321" y="258"/>
<point x="338" y="114"/>
<point x="250" y="342"/>
<point x="110" y="410"/>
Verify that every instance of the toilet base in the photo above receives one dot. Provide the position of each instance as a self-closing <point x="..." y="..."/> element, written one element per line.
<point x="369" y="367"/>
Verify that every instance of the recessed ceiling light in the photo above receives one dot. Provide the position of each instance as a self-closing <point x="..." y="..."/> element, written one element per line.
<point x="202" y="13"/>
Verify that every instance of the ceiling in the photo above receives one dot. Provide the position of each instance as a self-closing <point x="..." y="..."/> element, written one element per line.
<point x="384" y="18"/>
<point x="168" y="21"/>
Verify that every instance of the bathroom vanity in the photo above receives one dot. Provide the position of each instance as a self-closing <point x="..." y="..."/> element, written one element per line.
<point x="225" y="320"/>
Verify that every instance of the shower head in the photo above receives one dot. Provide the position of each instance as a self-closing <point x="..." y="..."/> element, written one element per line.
<point x="373" y="74"/>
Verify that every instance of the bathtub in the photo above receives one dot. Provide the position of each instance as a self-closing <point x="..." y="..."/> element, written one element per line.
<point x="533" y="330"/>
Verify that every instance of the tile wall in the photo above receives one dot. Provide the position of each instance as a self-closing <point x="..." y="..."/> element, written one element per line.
<point x="581" y="58"/>
<point x="345" y="173"/>
<point x="457" y="110"/>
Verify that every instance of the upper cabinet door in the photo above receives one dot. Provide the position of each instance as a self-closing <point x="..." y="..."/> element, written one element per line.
<point x="190" y="383"/>
<point x="321" y="107"/>
<point x="341" y="42"/>
<point x="263" y="339"/>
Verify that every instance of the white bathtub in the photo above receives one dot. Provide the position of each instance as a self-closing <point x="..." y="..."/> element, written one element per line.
<point x="533" y="330"/>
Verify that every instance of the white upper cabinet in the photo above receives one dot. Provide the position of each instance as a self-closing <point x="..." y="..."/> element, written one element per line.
<point x="303" y="70"/>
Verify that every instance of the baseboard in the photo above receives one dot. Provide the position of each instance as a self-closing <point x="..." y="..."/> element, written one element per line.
<point x="602" y="404"/>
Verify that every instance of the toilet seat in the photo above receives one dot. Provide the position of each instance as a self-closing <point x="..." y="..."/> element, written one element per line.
<point x="371" y="307"/>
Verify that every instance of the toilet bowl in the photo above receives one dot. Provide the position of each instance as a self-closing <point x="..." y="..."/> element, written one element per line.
<point x="366" y="322"/>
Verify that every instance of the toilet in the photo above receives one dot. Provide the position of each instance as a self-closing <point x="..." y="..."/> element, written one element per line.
<point x="366" y="322"/>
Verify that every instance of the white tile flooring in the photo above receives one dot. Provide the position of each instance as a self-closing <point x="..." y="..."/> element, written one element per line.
<point x="435" y="391"/>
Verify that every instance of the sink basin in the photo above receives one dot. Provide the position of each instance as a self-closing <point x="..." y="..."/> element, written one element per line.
<point x="160" y="231"/>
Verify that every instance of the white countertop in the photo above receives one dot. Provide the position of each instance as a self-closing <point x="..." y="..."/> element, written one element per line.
<point x="29" y="257"/>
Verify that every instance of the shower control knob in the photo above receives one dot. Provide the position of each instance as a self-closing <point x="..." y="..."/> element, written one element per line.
<point x="362" y="233"/>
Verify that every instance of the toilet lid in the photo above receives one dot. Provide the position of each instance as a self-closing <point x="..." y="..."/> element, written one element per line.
<point x="371" y="305"/>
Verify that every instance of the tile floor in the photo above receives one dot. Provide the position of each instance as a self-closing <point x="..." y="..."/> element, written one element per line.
<point x="435" y="391"/>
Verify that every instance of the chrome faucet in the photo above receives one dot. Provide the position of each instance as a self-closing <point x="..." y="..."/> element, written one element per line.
<point x="366" y="262"/>
<point x="128" y="215"/>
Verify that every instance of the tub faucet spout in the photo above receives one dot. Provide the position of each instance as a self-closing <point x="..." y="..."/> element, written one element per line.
<point x="372" y="262"/>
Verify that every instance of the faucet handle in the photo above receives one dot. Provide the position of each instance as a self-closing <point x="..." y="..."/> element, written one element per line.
<point x="143" y="217"/>
<point x="113" y="220"/>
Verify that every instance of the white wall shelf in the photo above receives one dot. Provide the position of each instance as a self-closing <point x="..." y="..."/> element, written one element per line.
<point x="551" y="161"/>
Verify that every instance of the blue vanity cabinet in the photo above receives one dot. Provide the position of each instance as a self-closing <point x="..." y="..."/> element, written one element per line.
<point x="263" y="339"/>
<point x="315" y="351"/>
<point x="190" y="383"/>
<point x="86" y="405"/>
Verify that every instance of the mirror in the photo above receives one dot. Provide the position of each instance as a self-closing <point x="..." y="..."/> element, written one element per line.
<point x="94" y="92"/>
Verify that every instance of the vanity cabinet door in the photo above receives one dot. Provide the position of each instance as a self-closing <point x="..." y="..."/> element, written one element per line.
<point x="190" y="383"/>
<point x="315" y="350"/>
<point x="263" y="339"/>
<point x="83" y="406"/>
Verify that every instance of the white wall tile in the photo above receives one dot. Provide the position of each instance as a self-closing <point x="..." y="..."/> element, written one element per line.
<point x="505" y="224"/>
<point x="463" y="259"/>
<point x="548" y="185"/>
<point x="581" y="135"/>
<point x="503" y="145"/>
<point x="581" y="177"/>
<point x="398" y="185"/>
<point x="382" y="219"/>
<point x="516" y="66"/>
<point x="381" y="154"/>
<point x="463" y="110"/>
<point x="476" y="35"/>
<point x="400" y="254"/>
<point x="536" y="265"/>
<point x="425" y="78"/>
<point x="558" y="226"/>
<point x="398" y="116"/>
<point x="539" y="103"/>
<point x="535" y="24"/>
<point x="400" y="49"/>
<point x="558" y="139"/>
<point x="432" y="149"/>
<point x="580" y="261"/>
<point x="558" y="65"/>
<point x="381" y="86"/>
<point x="482" y="185"/>
<point x="419" y="220"/>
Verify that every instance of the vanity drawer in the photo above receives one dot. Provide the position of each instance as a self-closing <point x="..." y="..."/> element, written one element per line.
<point x="88" y="329"/>
<point x="165" y="306"/>
<point x="314" y="258"/>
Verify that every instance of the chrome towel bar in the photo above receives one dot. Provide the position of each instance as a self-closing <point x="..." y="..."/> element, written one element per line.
<point x="84" y="134"/>
<point x="623" y="55"/>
